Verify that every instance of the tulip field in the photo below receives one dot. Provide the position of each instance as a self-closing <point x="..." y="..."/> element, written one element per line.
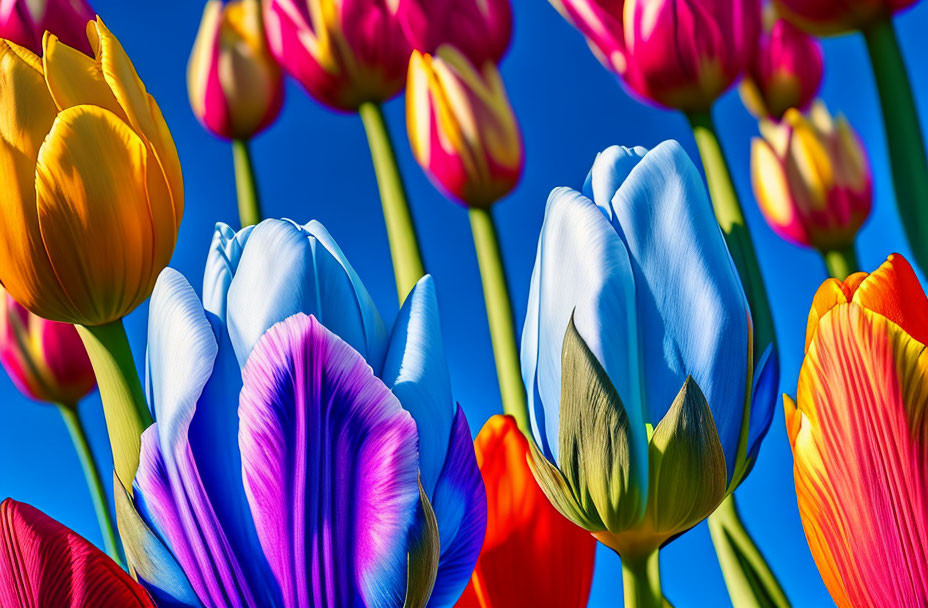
<point x="463" y="304"/>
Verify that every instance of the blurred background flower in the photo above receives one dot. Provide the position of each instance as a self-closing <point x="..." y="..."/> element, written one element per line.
<point x="26" y="21"/>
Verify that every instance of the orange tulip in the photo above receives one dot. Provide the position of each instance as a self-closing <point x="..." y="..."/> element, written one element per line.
<point x="532" y="555"/>
<point x="859" y="431"/>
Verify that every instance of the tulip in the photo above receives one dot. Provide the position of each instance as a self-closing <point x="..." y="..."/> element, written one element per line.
<point x="281" y="301"/>
<point x="679" y="54"/>
<point x="532" y="555"/>
<point x="812" y="182"/>
<point x="480" y="29"/>
<point x="235" y="86"/>
<point x="461" y="127"/>
<point x="25" y="22"/>
<point x="636" y="355"/>
<point x="91" y="203"/>
<point x="858" y="435"/>
<point x="46" y="360"/>
<point x="45" y="565"/>
<point x="786" y="72"/>
<point x="825" y="17"/>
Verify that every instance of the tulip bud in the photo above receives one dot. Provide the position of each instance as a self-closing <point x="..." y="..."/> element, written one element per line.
<point x="25" y="21"/>
<point x="812" y="179"/>
<point x="235" y="86"/>
<point x="343" y="53"/>
<point x="680" y="54"/>
<point x="480" y="29"/>
<point x="786" y="72"/>
<point x="461" y="127"/>
<point x="93" y="193"/>
<point x="827" y="17"/>
<point x="45" y="360"/>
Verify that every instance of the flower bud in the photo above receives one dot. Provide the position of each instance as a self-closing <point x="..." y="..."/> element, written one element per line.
<point x="812" y="179"/>
<point x="826" y="17"/>
<point x="480" y="29"/>
<point x="461" y="127"/>
<point x="25" y="21"/>
<point x="680" y="54"/>
<point x="786" y="72"/>
<point x="46" y="360"/>
<point x="235" y="86"/>
<point x="93" y="193"/>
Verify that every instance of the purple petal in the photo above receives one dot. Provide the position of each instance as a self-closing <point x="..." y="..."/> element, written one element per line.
<point x="460" y="505"/>
<point x="330" y="465"/>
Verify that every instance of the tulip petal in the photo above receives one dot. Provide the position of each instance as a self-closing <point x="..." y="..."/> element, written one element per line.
<point x="596" y="456"/>
<point x="151" y="562"/>
<point x="225" y="252"/>
<point x="285" y="269"/>
<point x="330" y="468"/>
<point x="609" y="170"/>
<point x="893" y="290"/>
<point x="861" y="466"/>
<point x="532" y="555"/>
<point x="688" y="473"/>
<point x="416" y="371"/>
<point x="206" y="524"/>
<point x="460" y="505"/>
<point x="45" y="565"/>
<point x="763" y="400"/>
<point x="692" y="309"/>
<point x="24" y="266"/>
<point x="577" y="241"/>
<point x="81" y="200"/>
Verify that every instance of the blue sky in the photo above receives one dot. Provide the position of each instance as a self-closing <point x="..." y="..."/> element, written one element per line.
<point x="314" y="164"/>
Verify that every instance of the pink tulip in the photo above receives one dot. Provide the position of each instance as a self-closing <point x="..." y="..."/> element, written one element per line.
<point x="680" y="54"/>
<point x="461" y="127"/>
<point x="786" y="72"/>
<point x="480" y="29"/>
<point x="344" y="52"/>
<point x="26" y="21"/>
<point x="46" y="360"/>
<point x="235" y="86"/>
<point x="824" y="17"/>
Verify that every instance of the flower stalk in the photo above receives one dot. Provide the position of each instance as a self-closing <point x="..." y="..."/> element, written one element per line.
<point x="641" y="581"/>
<point x="841" y="263"/>
<point x="124" y="405"/>
<point x="401" y="231"/>
<point x="499" y="315"/>
<point x="249" y="202"/>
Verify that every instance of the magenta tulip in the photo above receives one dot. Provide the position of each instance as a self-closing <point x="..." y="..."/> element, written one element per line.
<point x="26" y="21"/>
<point x="680" y="54"/>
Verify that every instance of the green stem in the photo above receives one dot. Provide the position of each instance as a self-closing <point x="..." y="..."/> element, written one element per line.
<point x="731" y="218"/>
<point x="249" y="203"/>
<point x="401" y="232"/>
<point x="641" y="581"/>
<point x="123" y="400"/>
<point x="499" y="315"/>
<point x="749" y="579"/>
<point x="841" y="263"/>
<point x="903" y="135"/>
<point x="92" y="476"/>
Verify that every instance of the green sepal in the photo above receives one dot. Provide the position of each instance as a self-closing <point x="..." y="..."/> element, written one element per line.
<point x="687" y="464"/>
<point x="424" y="551"/>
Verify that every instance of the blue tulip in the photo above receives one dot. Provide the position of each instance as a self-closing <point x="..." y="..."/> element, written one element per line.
<point x="636" y="352"/>
<point x="281" y="300"/>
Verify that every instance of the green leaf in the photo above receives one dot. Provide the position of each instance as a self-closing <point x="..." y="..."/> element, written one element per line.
<point x="424" y="551"/>
<point x="595" y="439"/>
<point x="688" y="473"/>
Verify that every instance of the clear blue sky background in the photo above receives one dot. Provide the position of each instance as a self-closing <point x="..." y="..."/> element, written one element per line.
<point x="314" y="164"/>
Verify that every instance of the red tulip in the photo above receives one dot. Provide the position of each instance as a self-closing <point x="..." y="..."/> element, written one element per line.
<point x="45" y="565"/>
<point x="532" y="555"/>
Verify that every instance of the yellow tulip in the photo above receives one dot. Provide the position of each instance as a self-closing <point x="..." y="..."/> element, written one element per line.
<point x="93" y="193"/>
